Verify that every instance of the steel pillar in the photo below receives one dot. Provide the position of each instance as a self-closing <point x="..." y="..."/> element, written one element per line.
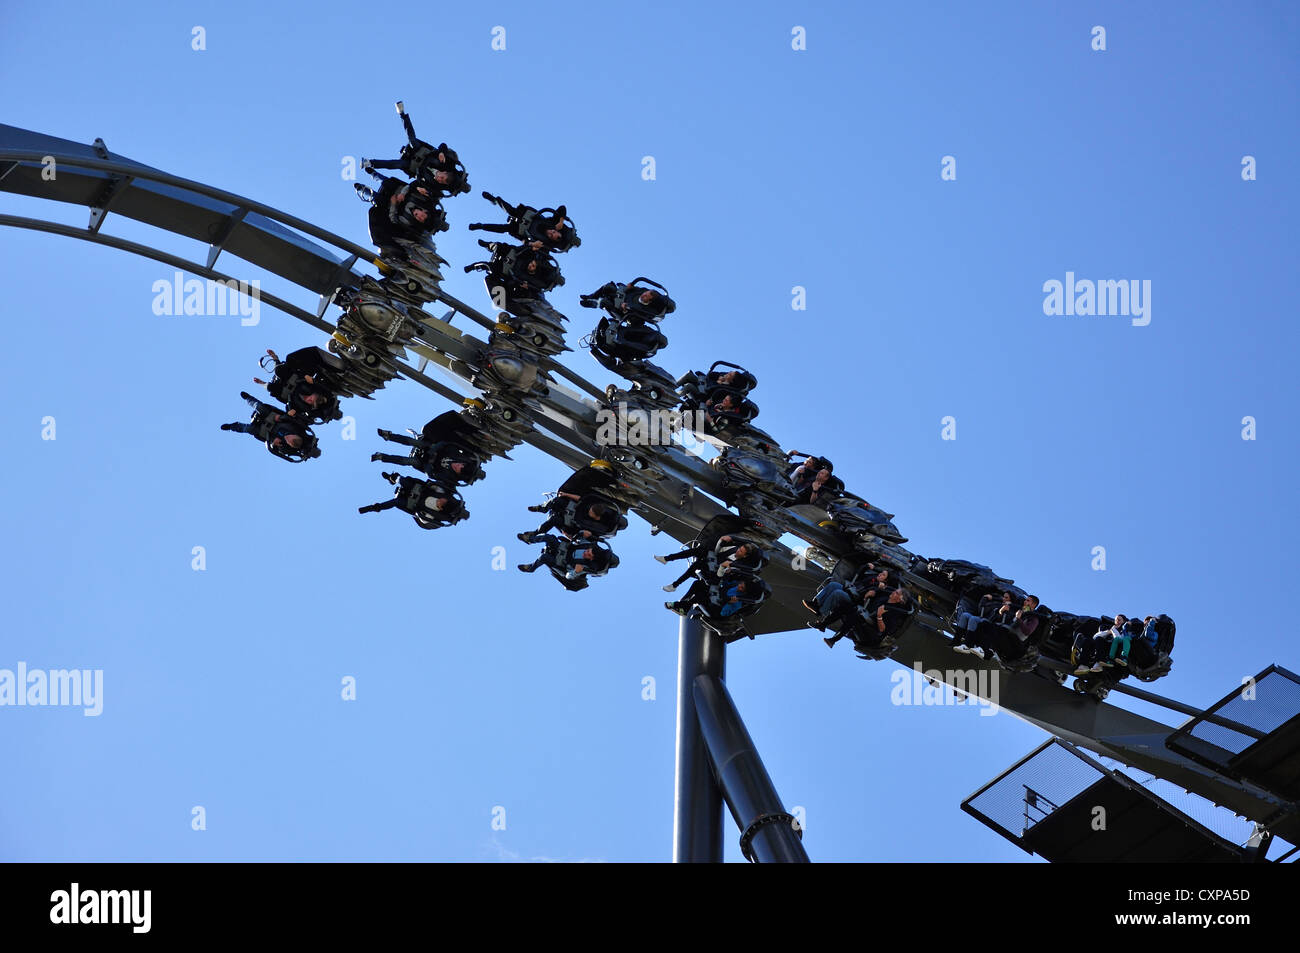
<point x="697" y="800"/>
<point x="768" y="831"/>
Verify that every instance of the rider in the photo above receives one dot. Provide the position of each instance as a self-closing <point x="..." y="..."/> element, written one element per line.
<point x="630" y="301"/>
<point x="439" y="166"/>
<point x="539" y="228"/>
<point x="426" y="500"/>
<point x="528" y="265"/>
<point x="732" y="597"/>
<point x="301" y="392"/>
<point x="742" y="556"/>
<point x="283" y="435"/>
<point x="441" y="450"/>
<point x="572" y="563"/>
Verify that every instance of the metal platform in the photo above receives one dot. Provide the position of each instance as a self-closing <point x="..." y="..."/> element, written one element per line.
<point x="1270" y="703"/>
<point x="1066" y="807"/>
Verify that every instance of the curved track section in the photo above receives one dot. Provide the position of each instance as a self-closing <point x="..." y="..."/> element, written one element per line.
<point x="680" y="498"/>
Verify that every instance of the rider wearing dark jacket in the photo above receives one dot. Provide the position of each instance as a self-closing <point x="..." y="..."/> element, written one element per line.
<point x="546" y="227"/>
<point x="277" y="428"/>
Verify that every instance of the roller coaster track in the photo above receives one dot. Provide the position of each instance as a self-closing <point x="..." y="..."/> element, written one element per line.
<point x="679" y="503"/>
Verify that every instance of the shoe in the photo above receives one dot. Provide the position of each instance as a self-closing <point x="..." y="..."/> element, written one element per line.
<point x="537" y="509"/>
<point x="662" y="559"/>
<point x="674" y="607"/>
<point x="524" y="537"/>
<point x="670" y="588"/>
<point x="1122" y="661"/>
<point x="976" y="651"/>
<point x="962" y="647"/>
<point x="830" y="643"/>
<point x="227" y="426"/>
<point x="386" y="434"/>
<point x="1082" y="670"/>
<point x="1097" y="668"/>
<point x="246" y="395"/>
<point x="375" y="457"/>
<point x="523" y="567"/>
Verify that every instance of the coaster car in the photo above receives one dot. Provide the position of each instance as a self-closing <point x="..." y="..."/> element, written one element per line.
<point x="854" y="517"/>
<point x="698" y="385"/>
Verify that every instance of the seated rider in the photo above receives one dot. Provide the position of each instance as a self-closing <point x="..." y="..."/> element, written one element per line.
<point x="539" y="228"/>
<point x="868" y="620"/>
<point x="438" y="166"/>
<point x="302" y="382"/>
<point x="397" y="216"/>
<point x="969" y="615"/>
<point x="523" y="264"/>
<point x="631" y="302"/>
<point x="1007" y="635"/>
<point x="432" y="504"/>
<point x="616" y="341"/>
<point x="816" y="487"/>
<point x="732" y="597"/>
<point x="283" y="434"/>
<point x="588" y="517"/>
<point x="728" y="555"/>
<point x="1093" y="652"/>
<point x="834" y="603"/>
<point x="572" y="563"/>
<point x="724" y="407"/>
<point x="442" y="450"/>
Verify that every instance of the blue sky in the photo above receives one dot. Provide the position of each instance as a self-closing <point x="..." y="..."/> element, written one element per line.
<point x="818" y="168"/>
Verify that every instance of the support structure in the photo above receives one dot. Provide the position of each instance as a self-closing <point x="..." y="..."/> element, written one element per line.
<point x="769" y="833"/>
<point x="697" y="799"/>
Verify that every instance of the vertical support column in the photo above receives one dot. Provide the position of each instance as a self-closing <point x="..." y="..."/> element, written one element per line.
<point x="697" y="800"/>
<point x="768" y="833"/>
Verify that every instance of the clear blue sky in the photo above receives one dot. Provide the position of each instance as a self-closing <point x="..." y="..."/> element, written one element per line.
<point x="776" y="168"/>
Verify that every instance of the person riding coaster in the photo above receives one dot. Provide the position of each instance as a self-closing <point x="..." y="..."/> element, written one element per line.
<point x="589" y="516"/>
<point x="1009" y="629"/>
<point x="717" y="557"/>
<point x="548" y="228"/>
<point x="1119" y="646"/>
<point x="447" y="460"/>
<point x="522" y="264"/>
<point x="284" y="435"/>
<point x="304" y="383"/>
<point x="871" y="613"/>
<point x="573" y="562"/>
<point x="431" y="504"/>
<point x="725" y="410"/>
<point x="814" y="479"/>
<point x="640" y="300"/>
<point x="417" y="210"/>
<point x="613" y="343"/>
<point x="509" y="289"/>
<point x="401" y="212"/>
<point x="727" y="600"/>
<point x="699" y="385"/>
<point x="438" y="167"/>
